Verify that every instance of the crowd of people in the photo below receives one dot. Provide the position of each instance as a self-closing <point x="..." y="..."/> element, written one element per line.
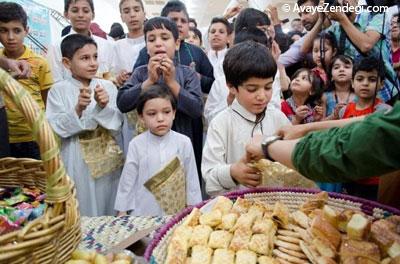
<point x="165" y="90"/>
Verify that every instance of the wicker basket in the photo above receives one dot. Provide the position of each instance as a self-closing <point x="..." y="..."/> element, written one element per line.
<point x="52" y="237"/>
<point x="156" y="252"/>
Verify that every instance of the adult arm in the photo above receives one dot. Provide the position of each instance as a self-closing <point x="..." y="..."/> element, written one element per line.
<point x="17" y="68"/>
<point x="293" y="54"/>
<point x="311" y="35"/>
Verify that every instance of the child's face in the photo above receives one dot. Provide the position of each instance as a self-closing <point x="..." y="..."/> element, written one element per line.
<point x="161" y="42"/>
<point x="342" y="72"/>
<point x="80" y="14"/>
<point x="132" y="15"/>
<point x="182" y="22"/>
<point x="316" y="53"/>
<point x="301" y="84"/>
<point x="254" y="94"/>
<point x="364" y="84"/>
<point x="12" y="36"/>
<point x="218" y="36"/>
<point x="193" y="39"/>
<point x="158" y="116"/>
<point x="83" y="64"/>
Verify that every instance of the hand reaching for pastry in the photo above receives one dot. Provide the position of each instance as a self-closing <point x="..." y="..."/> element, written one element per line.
<point x="244" y="174"/>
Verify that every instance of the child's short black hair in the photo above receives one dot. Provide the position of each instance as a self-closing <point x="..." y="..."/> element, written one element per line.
<point x="73" y="43"/>
<point x="13" y="12"/>
<point x="222" y="20"/>
<point x="174" y="6"/>
<point x="317" y="86"/>
<point x="67" y="3"/>
<point x="246" y="60"/>
<point x="249" y="18"/>
<point x="123" y="1"/>
<point x="329" y="37"/>
<point x="153" y="92"/>
<point x="370" y="64"/>
<point x="253" y="34"/>
<point x="197" y="33"/>
<point x="161" y="23"/>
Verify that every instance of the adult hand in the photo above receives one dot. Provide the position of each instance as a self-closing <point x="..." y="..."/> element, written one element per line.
<point x="19" y="69"/>
<point x="253" y="149"/>
<point x="244" y="174"/>
<point x="232" y="11"/>
<point x="101" y="96"/>
<point x="275" y="50"/>
<point x="292" y="132"/>
<point x="273" y="12"/>
<point x="83" y="100"/>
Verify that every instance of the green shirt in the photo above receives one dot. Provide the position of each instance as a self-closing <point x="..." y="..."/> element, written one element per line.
<point x="359" y="150"/>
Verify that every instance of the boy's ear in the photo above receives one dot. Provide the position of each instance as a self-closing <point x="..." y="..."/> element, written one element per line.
<point x="232" y="89"/>
<point x="66" y="62"/>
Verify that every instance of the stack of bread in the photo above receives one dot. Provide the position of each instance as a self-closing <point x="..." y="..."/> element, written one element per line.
<point x="251" y="232"/>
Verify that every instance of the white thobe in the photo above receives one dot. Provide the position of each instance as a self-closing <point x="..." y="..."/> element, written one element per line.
<point x="217" y="59"/>
<point x="147" y="155"/>
<point x="227" y="136"/>
<point x="95" y="196"/>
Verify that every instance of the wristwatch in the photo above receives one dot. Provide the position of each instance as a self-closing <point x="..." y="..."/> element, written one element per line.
<point x="265" y="144"/>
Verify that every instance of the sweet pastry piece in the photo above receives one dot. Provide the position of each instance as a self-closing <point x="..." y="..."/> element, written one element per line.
<point x="288" y="257"/>
<point x="267" y="260"/>
<point x="358" y="227"/>
<point x="200" y="236"/>
<point x="394" y="250"/>
<point x="258" y="209"/>
<point x="331" y="215"/>
<point x="201" y="255"/>
<point x="193" y="218"/>
<point x="241" y="206"/>
<point x="245" y="221"/>
<point x="310" y="252"/>
<point x="301" y="219"/>
<point x="293" y="253"/>
<point x="212" y="218"/>
<point x="305" y="234"/>
<point x="259" y="243"/>
<point x="264" y="226"/>
<point x="343" y="218"/>
<point x="323" y="230"/>
<point x="289" y="239"/>
<point x="246" y="257"/>
<point x="383" y="232"/>
<point x="316" y="201"/>
<point x="223" y="204"/>
<point x="241" y="239"/>
<point x="223" y="256"/>
<point x="356" y="251"/>
<point x="228" y="221"/>
<point x="179" y="245"/>
<point x="287" y="245"/>
<point x="325" y="260"/>
<point x="219" y="239"/>
<point x="324" y="248"/>
<point x="281" y="214"/>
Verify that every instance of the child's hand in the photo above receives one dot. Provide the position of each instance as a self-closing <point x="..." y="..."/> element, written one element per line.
<point x="301" y="113"/>
<point x="83" y="100"/>
<point x="168" y="69"/>
<point x="101" y="96"/>
<point x="337" y="109"/>
<point x="318" y="113"/>
<point x="153" y="68"/>
<point x="122" y="77"/>
<point x="244" y="174"/>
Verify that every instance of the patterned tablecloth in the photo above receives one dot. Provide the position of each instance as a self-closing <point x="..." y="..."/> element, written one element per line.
<point x="102" y="233"/>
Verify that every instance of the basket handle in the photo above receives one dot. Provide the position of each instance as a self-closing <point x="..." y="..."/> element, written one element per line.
<point x="57" y="187"/>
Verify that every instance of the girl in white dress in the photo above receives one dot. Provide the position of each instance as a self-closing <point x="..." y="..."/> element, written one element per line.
<point x="151" y="151"/>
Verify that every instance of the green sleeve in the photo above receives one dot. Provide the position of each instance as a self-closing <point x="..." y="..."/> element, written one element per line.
<point x="359" y="150"/>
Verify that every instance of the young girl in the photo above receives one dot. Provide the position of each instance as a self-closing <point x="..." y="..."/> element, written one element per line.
<point x="150" y="151"/>
<point x="304" y="105"/>
<point x="329" y="50"/>
<point x="340" y="92"/>
<point x="80" y="13"/>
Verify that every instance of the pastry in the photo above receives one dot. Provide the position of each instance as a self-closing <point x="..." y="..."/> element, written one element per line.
<point x="223" y="256"/>
<point x="223" y="204"/>
<point x="201" y="255"/>
<point x="241" y="206"/>
<point x="259" y="243"/>
<point x="356" y="251"/>
<point x="246" y="257"/>
<point x="281" y="214"/>
<point x="244" y="221"/>
<point x="228" y="221"/>
<point x="358" y="227"/>
<point x="241" y="239"/>
<point x="212" y="218"/>
<point x="200" y="236"/>
<point x="219" y="239"/>
<point x="322" y="229"/>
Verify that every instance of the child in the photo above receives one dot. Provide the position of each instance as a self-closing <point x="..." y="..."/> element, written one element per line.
<point x="218" y="35"/>
<point x="161" y="39"/>
<point x="81" y="13"/>
<point x="304" y="106"/>
<point x="127" y="49"/>
<point x="151" y="150"/>
<point x="13" y="30"/>
<point x="328" y="52"/>
<point x="195" y="37"/>
<point x="368" y="77"/>
<point x="249" y="69"/>
<point x="340" y="92"/>
<point x="81" y="107"/>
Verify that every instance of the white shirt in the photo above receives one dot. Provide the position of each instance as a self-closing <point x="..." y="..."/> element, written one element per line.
<point x="228" y="134"/>
<point x="59" y="72"/>
<point x="216" y="100"/>
<point x="126" y="52"/>
<point x="217" y="59"/>
<point x="148" y="154"/>
<point x="96" y="197"/>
